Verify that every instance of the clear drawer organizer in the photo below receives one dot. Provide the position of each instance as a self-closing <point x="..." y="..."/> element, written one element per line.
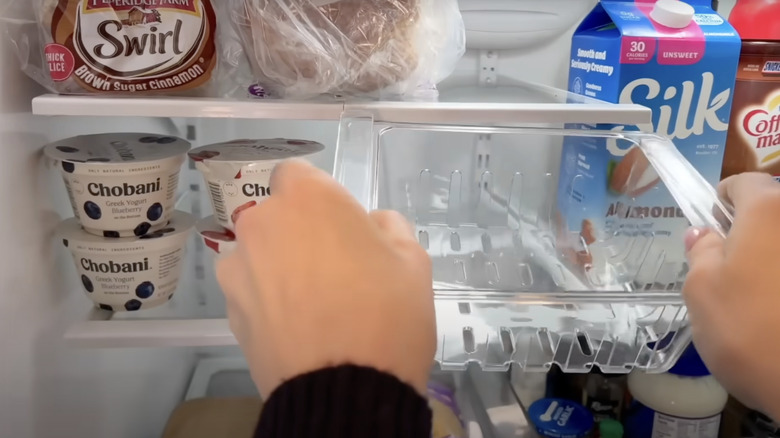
<point x="483" y="200"/>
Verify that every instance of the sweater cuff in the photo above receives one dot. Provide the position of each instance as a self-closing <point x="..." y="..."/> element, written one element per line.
<point x="346" y="401"/>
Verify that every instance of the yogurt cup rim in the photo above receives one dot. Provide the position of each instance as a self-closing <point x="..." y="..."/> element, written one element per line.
<point x="317" y="147"/>
<point x="173" y="151"/>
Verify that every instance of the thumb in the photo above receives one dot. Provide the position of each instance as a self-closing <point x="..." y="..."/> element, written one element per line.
<point x="703" y="247"/>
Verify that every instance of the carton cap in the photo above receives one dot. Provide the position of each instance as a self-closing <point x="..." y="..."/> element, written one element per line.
<point x="672" y="13"/>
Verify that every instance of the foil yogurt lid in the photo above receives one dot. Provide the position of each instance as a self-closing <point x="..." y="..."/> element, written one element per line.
<point x="122" y="148"/>
<point x="243" y="151"/>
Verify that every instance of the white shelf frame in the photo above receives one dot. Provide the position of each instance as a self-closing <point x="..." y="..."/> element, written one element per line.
<point x="150" y="333"/>
<point x="469" y="113"/>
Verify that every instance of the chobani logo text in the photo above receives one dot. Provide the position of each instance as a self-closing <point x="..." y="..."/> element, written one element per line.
<point x="256" y="190"/>
<point x="761" y="129"/>
<point x="99" y="189"/>
<point x="112" y="267"/>
<point x="139" y="45"/>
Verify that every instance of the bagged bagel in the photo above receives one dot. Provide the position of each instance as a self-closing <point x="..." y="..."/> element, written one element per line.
<point x="302" y="48"/>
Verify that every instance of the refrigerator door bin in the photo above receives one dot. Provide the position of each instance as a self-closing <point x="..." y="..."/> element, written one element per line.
<point x="512" y="284"/>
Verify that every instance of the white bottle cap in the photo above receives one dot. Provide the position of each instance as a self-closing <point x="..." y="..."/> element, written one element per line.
<point x="672" y="13"/>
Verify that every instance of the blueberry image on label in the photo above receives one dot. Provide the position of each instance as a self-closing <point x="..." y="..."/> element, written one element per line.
<point x="98" y="160"/>
<point x="68" y="167"/>
<point x="155" y="212"/>
<point x="132" y="305"/>
<point x="67" y="149"/>
<point x="92" y="210"/>
<point x="148" y="139"/>
<point x="142" y="229"/>
<point x="65" y="242"/>
<point x="87" y="284"/>
<point x="106" y="307"/>
<point x="144" y="290"/>
<point x="166" y="140"/>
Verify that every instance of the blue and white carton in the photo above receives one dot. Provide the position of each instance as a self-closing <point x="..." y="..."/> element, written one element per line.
<point x="680" y="60"/>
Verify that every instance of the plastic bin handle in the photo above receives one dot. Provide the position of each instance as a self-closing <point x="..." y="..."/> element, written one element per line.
<point x="697" y="199"/>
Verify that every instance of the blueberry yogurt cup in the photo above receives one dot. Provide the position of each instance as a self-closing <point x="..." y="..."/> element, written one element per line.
<point x="121" y="185"/>
<point x="131" y="273"/>
<point x="238" y="172"/>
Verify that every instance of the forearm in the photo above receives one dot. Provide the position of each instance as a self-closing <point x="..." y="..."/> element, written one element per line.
<point x="345" y="402"/>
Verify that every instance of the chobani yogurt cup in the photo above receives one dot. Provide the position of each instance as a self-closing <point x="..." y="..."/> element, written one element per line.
<point x="238" y="172"/>
<point x="218" y="239"/>
<point x="131" y="273"/>
<point x="121" y="185"/>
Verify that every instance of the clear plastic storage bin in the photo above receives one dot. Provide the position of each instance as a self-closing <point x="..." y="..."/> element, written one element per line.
<point x="483" y="200"/>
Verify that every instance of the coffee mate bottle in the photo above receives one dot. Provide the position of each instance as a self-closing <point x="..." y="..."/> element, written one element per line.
<point x="753" y="142"/>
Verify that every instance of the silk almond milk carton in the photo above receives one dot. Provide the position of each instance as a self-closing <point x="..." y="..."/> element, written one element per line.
<point x="617" y="224"/>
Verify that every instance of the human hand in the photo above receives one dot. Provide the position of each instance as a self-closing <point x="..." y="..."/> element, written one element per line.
<point x="316" y="281"/>
<point x="733" y="293"/>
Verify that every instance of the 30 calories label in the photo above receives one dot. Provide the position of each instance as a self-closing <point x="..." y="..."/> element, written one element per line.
<point x="666" y="426"/>
<point x="60" y="62"/>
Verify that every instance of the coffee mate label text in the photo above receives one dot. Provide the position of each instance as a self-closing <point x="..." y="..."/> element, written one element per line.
<point x="129" y="46"/>
<point x="753" y="142"/>
<point x="611" y="201"/>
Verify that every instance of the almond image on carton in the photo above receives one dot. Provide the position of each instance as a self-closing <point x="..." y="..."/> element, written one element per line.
<point x="588" y="232"/>
<point x="633" y="175"/>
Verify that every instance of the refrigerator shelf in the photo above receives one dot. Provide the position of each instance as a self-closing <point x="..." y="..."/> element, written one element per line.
<point x="618" y="332"/>
<point x="525" y="103"/>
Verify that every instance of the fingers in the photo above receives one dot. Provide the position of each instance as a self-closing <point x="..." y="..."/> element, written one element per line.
<point x="705" y="246"/>
<point x="393" y="224"/>
<point x="706" y="259"/>
<point x="747" y="189"/>
<point x="290" y="175"/>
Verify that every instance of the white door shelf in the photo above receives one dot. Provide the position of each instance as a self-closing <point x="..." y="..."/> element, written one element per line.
<point x="527" y="104"/>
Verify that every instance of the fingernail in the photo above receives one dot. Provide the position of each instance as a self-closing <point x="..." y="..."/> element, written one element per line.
<point x="691" y="237"/>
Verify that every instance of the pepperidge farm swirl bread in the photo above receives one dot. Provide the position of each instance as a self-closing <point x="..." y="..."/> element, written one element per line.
<point x="129" y="46"/>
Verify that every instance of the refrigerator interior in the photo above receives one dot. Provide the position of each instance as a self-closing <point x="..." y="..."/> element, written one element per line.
<point x="52" y="388"/>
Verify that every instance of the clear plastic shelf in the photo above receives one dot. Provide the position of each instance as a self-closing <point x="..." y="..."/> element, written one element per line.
<point x="509" y="281"/>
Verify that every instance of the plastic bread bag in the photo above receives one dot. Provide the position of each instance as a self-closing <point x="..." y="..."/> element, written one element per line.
<point x="120" y="47"/>
<point x="447" y="422"/>
<point x="304" y="48"/>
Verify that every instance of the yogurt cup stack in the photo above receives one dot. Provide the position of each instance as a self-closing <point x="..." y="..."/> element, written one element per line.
<point x="237" y="174"/>
<point x="126" y="239"/>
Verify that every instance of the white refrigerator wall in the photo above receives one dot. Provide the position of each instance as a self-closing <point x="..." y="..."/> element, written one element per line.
<point x="48" y="389"/>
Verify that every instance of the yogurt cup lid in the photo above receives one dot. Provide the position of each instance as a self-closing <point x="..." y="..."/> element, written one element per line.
<point x="179" y="227"/>
<point x="123" y="148"/>
<point x="554" y="417"/>
<point x="217" y="238"/>
<point x="255" y="150"/>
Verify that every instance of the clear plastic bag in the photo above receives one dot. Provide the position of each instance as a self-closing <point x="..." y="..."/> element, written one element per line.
<point x="303" y="48"/>
<point x="120" y="48"/>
